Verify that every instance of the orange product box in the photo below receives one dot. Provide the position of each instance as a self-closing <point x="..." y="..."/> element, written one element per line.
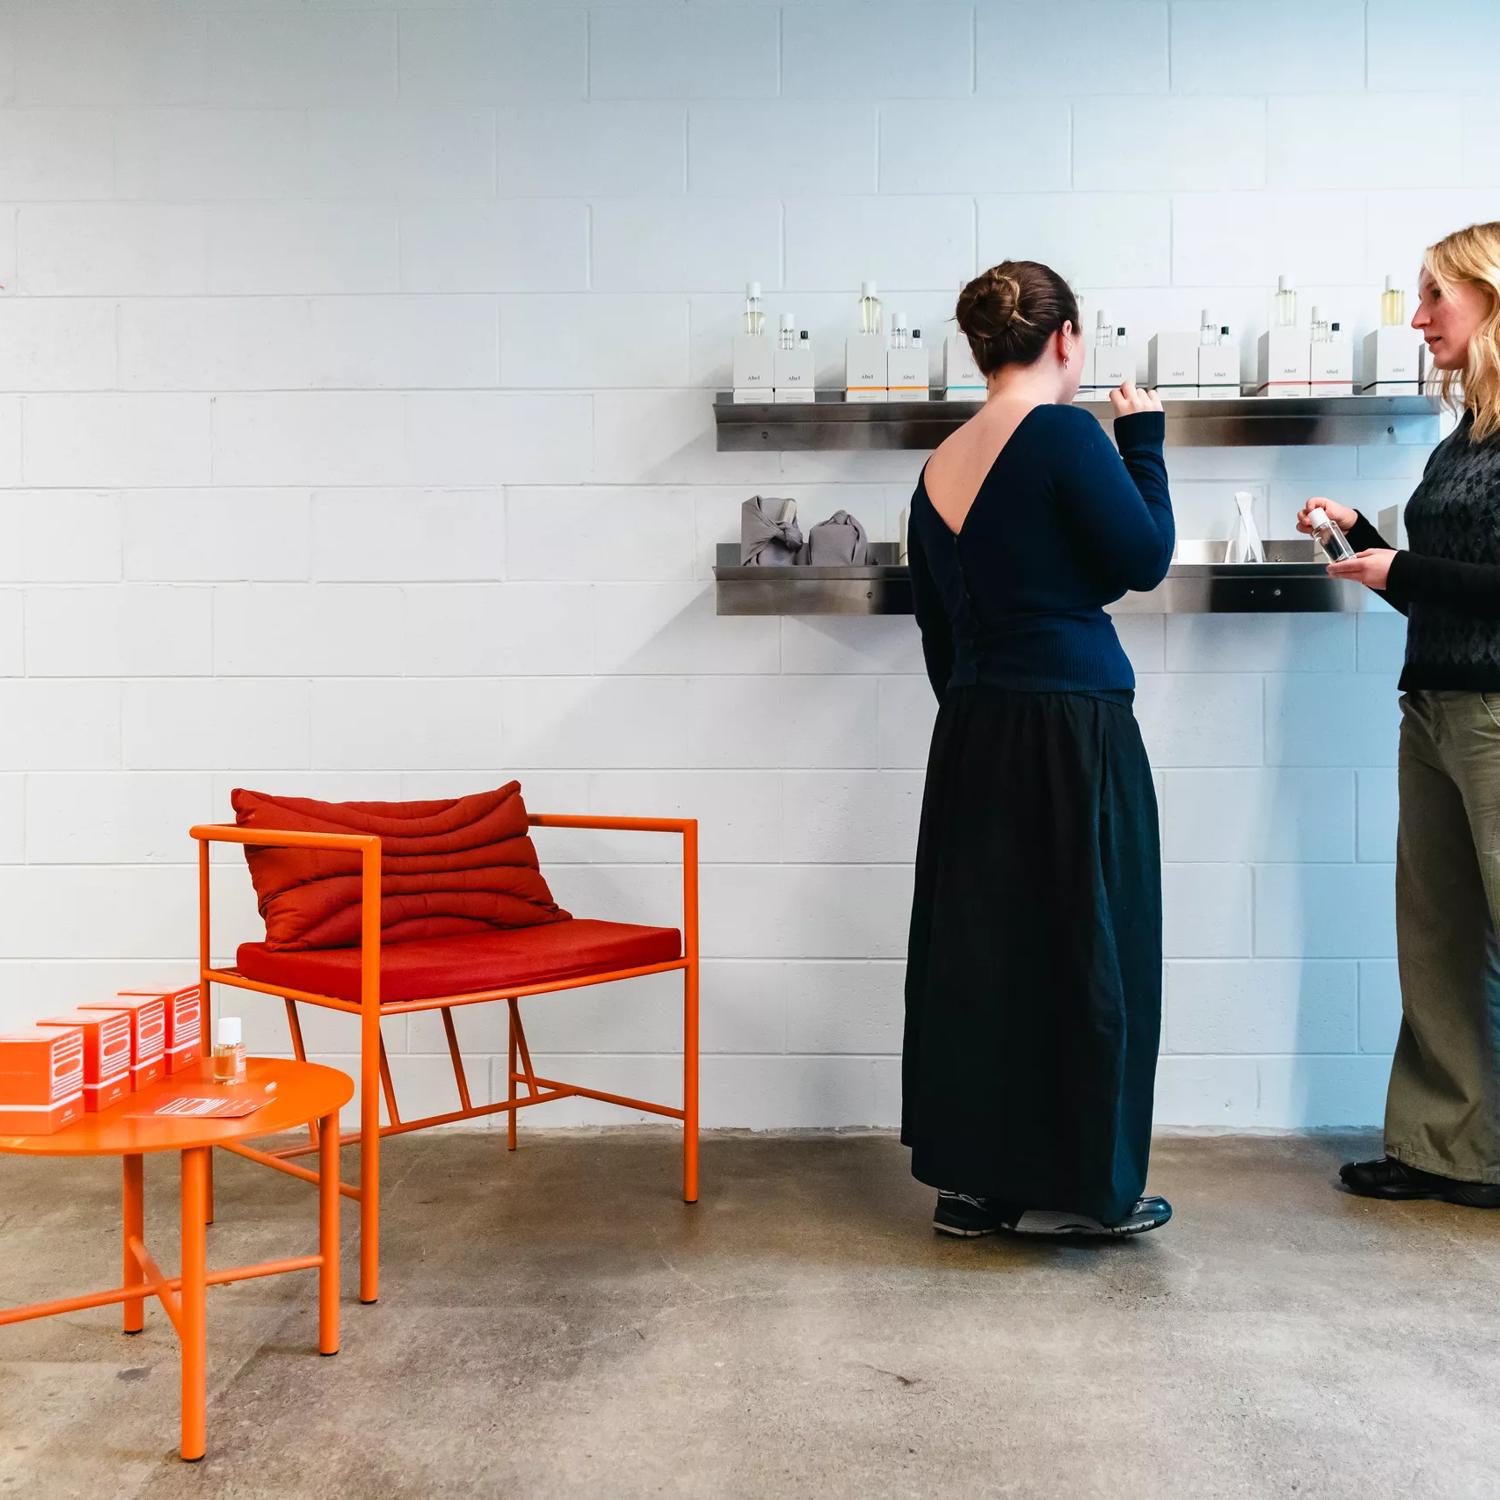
<point x="148" y="1035"/>
<point x="184" y="1018"/>
<point x="41" y="1079"/>
<point x="106" y="1054"/>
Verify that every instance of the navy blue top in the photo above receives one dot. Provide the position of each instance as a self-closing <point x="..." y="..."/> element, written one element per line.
<point x="1061" y="526"/>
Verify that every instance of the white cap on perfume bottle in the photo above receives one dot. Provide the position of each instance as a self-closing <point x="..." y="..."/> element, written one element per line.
<point x="1390" y="283"/>
<point x="867" y="289"/>
<point x="230" y="1032"/>
<point x="1204" y="321"/>
<point x="1317" y="517"/>
<point x="788" y="321"/>
<point x="1281" y="285"/>
<point x="1315" y="312"/>
<point x="1102" y="320"/>
<point x="752" y="289"/>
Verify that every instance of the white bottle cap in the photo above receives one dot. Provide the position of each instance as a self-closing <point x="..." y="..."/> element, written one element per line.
<point x="1281" y="285"/>
<point x="230" y="1031"/>
<point x="1390" y="283"/>
<point x="1204" y="321"/>
<point x="1315" y="312"/>
<point x="1317" y="517"/>
<point x="867" y="289"/>
<point x="752" y="289"/>
<point x="788" y="321"/>
<point x="1102" y="321"/>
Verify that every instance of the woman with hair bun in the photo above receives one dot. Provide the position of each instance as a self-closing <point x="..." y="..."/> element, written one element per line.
<point x="1033" y="986"/>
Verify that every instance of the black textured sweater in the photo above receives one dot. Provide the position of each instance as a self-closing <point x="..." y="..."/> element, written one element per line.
<point x="1448" y="583"/>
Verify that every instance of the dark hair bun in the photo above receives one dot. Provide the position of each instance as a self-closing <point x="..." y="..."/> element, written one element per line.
<point x="1009" y="312"/>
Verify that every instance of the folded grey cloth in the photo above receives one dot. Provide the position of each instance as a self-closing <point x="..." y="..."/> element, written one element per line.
<point x="765" y="540"/>
<point x="838" y="542"/>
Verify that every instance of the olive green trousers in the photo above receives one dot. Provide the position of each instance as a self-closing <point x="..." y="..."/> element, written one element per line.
<point x="1443" y="1109"/>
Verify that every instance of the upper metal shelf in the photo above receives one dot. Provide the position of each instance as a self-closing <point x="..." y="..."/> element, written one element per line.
<point x="832" y="423"/>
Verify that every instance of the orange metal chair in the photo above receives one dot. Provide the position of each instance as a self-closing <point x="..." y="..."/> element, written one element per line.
<point x="374" y="1070"/>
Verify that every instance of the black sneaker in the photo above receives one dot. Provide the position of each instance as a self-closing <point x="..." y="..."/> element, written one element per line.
<point x="1148" y="1214"/>
<point x="964" y="1215"/>
<point x="1389" y="1178"/>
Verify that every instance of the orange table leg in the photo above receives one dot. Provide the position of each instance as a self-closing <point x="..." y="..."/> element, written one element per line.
<point x="328" y="1235"/>
<point x="134" y="1218"/>
<point x="194" y="1294"/>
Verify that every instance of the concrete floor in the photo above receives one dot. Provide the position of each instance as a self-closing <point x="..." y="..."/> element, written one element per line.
<point x="556" y="1322"/>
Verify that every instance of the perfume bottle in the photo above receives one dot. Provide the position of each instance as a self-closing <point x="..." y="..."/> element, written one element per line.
<point x="1208" y="334"/>
<point x="755" y="317"/>
<point x="229" y="1051"/>
<point x="871" y="314"/>
<point x="1392" y="305"/>
<point x="1103" y="332"/>
<point x="1320" y="334"/>
<point x="787" y="336"/>
<point x="1286" y="305"/>
<point x="1328" y="535"/>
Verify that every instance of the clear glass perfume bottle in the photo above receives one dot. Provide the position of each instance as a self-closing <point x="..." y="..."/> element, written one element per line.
<point x="1320" y="334"/>
<point x="1392" y="305"/>
<point x="1328" y="535"/>
<point x="899" y="334"/>
<point x="1286" y="304"/>
<point x="1104" y="334"/>
<point x="1207" y="332"/>
<point x="787" y="338"/>
<point x="871" y="314"/>
<point x="916" y="338"/>
<point x="229" y="1051"/>
<point x="1121" y="338"/>
<point x="1224" y="335"/>
<point x="755" y="316"/>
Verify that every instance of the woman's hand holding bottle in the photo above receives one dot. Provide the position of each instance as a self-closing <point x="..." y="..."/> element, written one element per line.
<point x="1371" y="567"/>
<point x="1340" y="515"/>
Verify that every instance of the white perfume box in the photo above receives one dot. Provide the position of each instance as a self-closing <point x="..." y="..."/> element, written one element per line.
<point x="1218" y="371"/>
<point x="907" y="377"/>
<point x="1392" y="364"/>
<point x="864" y="367"/>
<point x="962" y="380"/>
<point x="754" y="367"/>
<point x="1331" y="366"/>
<point x="794" y="373"/>
<point x="1172" y="365"/>
<point x="1113" y="366"/>
<point x="1284" y="365"/>
<point x="1086" y="390"/>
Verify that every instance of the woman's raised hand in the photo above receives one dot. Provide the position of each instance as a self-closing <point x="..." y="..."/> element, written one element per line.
<point x="1126" y="399"/>
<point x="1340" y="515"/>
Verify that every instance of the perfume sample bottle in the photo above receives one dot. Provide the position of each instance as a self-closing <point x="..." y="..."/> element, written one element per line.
<point x="1319" y="327"/>
<point x="229" y="1051"/>
<point x="1329" y="536"/>
<point x="1286" y="304"/>
<point x="787" y="336"/>
<point x="899" y="335"/>
<point x="755" y="316"/>
<point x="1392" y="305"/>
<point x="1208" y="333"/>
<point x="871" y="314"/>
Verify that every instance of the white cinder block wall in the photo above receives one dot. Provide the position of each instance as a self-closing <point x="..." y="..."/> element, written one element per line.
<point x="355" y="440"/>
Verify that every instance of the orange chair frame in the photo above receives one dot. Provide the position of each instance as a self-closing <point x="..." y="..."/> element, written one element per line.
<point x="374" y="1070"/>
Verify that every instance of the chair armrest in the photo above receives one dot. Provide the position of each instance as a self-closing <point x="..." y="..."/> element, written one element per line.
<point x="277" y="838"/>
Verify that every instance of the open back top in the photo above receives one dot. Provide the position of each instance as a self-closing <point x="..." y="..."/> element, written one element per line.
<point x="1061" y="526"/>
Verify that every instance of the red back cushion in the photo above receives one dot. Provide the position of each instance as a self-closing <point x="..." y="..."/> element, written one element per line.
<point x="464" y="864"/>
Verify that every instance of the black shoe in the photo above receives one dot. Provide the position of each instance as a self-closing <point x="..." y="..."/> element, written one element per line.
<point x="1389" y="1178"/>
<point x="1148" y="1214"/>
<point x="964" y="1215"/>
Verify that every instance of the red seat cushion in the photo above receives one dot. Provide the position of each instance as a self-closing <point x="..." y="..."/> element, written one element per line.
<point x="459" y="865"/>
<point x="433" y="967"/>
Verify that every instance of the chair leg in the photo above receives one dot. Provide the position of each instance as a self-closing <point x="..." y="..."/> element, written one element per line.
<point x="459" y="1076"/>
<point x="510" y="1073"/>
<point x="208" y="1187"/>
<point x="369" y="1172"/>
<point x="299" y="1051"/>
<point x="690" y="1083"/>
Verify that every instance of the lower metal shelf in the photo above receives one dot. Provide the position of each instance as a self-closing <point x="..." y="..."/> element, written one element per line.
<point x="1291" y="581"/>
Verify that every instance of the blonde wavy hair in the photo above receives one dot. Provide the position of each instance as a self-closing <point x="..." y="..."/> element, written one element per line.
<point x="1472" y="256"/>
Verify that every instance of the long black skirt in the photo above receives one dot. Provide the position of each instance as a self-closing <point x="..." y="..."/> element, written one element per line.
<point x="1033" y="981"/>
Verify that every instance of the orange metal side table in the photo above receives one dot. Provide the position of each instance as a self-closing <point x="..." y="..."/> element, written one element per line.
<point x="304" y="1093"/>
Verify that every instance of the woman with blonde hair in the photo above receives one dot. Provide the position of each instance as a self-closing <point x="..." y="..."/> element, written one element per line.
<point x="1442" y="1121"/>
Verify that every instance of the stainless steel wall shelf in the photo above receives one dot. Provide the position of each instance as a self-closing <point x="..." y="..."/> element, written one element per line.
<point x="831" y="423"/>
<point x="1291" y="581"/>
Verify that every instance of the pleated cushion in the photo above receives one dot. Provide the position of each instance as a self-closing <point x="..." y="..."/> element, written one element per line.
<point x="463" y="965"/>
<point x="460" y="865"/>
